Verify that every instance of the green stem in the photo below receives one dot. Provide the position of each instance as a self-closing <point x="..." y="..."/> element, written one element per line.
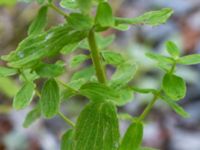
<point x="67" y="120"/>
<point x="100" y="72"/>
<point x="173" y="67"/>
<point x="58" y="10"/>
<point x="148" y="108"/>
<point x="67" y="86"/>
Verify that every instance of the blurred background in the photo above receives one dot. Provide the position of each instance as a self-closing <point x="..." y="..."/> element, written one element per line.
<point x="163" y="129"/>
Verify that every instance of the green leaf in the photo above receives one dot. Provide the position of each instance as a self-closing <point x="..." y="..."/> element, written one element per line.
<point x="152" y="18"/>
<point x="189" y="60"/>
<point x="126" y="96"/>
<point x="50" y="98"/>
<point x="39" y="23"/>
<point x="104" y="16"/>
<point x="67" y="140"/>
<point x="112" y="57"/>
<point x="123" y="75"/>
<point x="102" y="41"/>
<point x="121" y="27"/>
<point x="50" y="70"/>
<point x="98" y="92"/>
<point x="24" y="96"/>
<point x="29" y="74"/>
<point x="178" y="109"/>
<point x="125" y="116"/>
<point x="85" y="5"/>
<point x="172" y="49"/>
<point x="144" y="91"/>
<point x="174" y="86"/>
<point x="133" y="137"/>
<point x="79" y="21"/>
<point x="160" y="58"/>
<point x="4" y="71"/>
<point x="78" y="59"/>
<point x="32" y="116"/>
<point x="69" y="4"/>
<point x="165" y="67"/>
<point x="85" y="73"/>
<point x="69" y="48"/>
<point x="43" y="45"/>
<point x="97" y="128"/>
<point x="146" y="148"/>
<point x="8" y="87"/>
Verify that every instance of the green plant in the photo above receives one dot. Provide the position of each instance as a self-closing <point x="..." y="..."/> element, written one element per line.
<point x="97" y="125"/>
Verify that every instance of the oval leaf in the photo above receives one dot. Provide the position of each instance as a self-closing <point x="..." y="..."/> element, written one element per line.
<point x="112" y="57"/>
<point x="32" y="116"/>
<point x="174" y="86"/>
<point x="172" y="49"/>
<point x="104" y="16"/>
<point x="79" y="21"/>
<point x="133" y="137"/>
<point x="124" y="73"/>
<point x="84" y="5"/>
<point x="97" y="128"/>
<point x="50" y="98"/>
<point x="78" y="59"/>
<point x="67" y="140"/>
<point x="98" y="92"/>
<point x="24" y="96"/>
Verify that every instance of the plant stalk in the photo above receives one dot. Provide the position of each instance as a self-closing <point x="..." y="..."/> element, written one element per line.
<point x="54" y="7"/>
<point x="68" y="121"/>
<point x="96" y="59"/>
<point x="148" y="108"/>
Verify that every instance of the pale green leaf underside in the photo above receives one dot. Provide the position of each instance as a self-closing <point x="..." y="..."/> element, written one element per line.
<point x="190" y="59"/>
<point x="32" y="116"/>
<point x="152" y="18"/>
<point x="4" y="71"/>
<point x="177" y="108"/>
<point x="24" y="96"/>
<point x="159" y="58"/>
<point x="172" y="49"/>
<point x="78" y="60"/>
<point x="124" y="73"/>
<point x="112" y="57"/>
